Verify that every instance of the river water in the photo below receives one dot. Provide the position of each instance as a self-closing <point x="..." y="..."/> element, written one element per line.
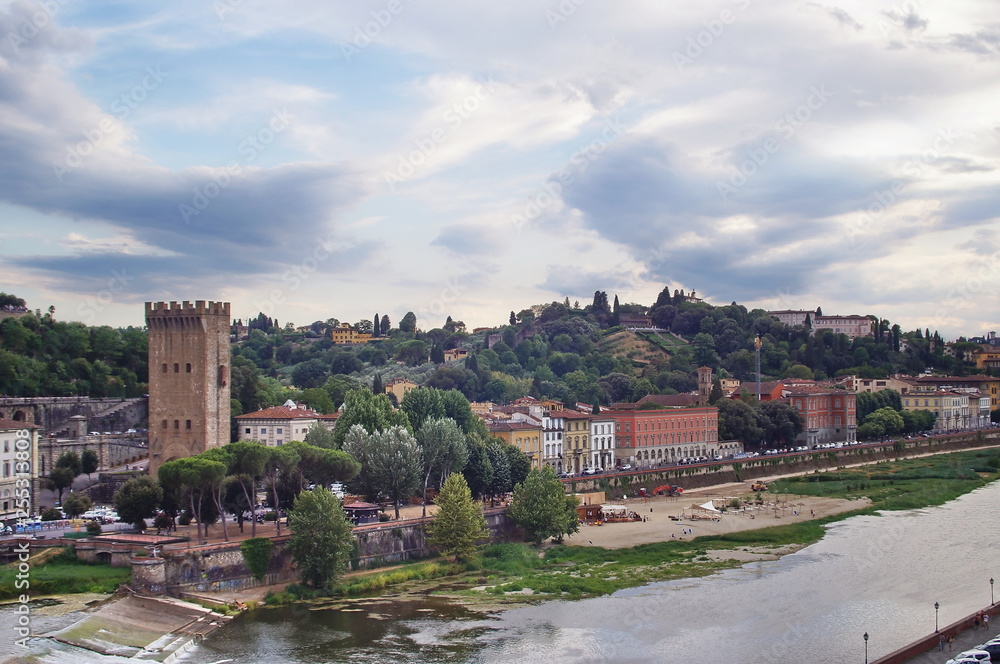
<point x="875" y="574"/>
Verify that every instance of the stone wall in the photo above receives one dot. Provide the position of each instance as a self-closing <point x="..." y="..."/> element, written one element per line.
<point x="53" y="413"/>
<point x="221" y="567"/>
<point x="112" y="450"/>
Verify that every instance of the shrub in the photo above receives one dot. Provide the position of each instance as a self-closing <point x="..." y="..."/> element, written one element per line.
<point x="51" y="514"/>
<point x="184" y="519"/>
<point x="93" y="528"/>
<point x="257" y="555"/>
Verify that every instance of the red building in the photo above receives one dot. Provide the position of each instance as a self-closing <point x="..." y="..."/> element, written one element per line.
<point x="651" y="437"/>
<point x="829" y="415"/>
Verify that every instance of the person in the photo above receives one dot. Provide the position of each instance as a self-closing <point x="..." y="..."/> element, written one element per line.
<point x="986" y="620"/>
<point x="940" y="642"/>
<point x="951" y="643"/>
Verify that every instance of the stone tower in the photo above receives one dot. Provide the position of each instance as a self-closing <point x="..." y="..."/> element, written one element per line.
<point x="188" y="378"/>
<point x="704" y="384"/>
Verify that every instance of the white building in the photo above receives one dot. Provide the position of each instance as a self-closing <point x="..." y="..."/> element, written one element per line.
<point x="602" y="442"/>
<point x="281" y="424"/>
<point x="18" y="471"/>
<point x="553" y="430"/>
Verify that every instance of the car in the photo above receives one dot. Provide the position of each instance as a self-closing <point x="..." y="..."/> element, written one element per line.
<point x="974" y="655"/>
<point x="993" y="648"/>
<point x="590" y="471"/>
<point x="625" y="467"/>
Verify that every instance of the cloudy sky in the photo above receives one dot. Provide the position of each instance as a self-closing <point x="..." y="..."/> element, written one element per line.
<point x="316" y="160"/>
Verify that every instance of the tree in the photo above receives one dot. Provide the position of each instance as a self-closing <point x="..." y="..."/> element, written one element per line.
<point x="319" y="436"/>
<point x="513" y="318"/>
<point x="76" y="504"/>
<point x="385" y="326"/>
<point x="70" y="460"/>
<point x="137" y="500"/>
<point x="442" y="450"/>
<point x="716" y="394"/>
<point x="194" y="478"/>
<point x="459" y="525"/>
<point x="739" y="420"/>
<point x="373" y="412"/>
<point x="249" y="458"/>
<point x="321" y="541"/>
<point x="408" y="323"/>
<point x="376" y="326"/>
<point x="542" y="508"/>
<point x="394" y="458"/>
<point x="60" y="479"/>
<point x="421" y="405"/>
<point x="478" y="470"/>
<point x="782" y="423"/>
<point x="89" y="462"/>
<point x="377" y="386"/>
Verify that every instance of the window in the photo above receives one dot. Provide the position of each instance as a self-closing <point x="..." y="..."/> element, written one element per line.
<point x="164" y="367"/>
<point x="177" y="367"/>
<point x="164" y="424"/>
<point x="187" y="367"/>
<point x="263" y="430"/>
<point x="278" y="430"/>
<point x="247" y="430"/>
<point x="187" y="424"/>
<point x="177" y="424"/>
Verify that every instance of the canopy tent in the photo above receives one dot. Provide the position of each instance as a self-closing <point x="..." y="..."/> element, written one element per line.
<point x="707" y="507"/>
<point x="614" y="509"/>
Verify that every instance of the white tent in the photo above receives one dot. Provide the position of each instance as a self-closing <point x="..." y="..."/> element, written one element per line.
<point x="614" y="509"/>
<point x="709" y="506"/>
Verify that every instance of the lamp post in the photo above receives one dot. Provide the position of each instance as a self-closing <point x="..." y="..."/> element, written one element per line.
<point x="991" y="591"/>
<point x="866" y="647"/>
<point x="936" y="607"/>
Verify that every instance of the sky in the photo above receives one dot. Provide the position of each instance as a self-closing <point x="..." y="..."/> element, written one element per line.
<point x="465" y="159"/>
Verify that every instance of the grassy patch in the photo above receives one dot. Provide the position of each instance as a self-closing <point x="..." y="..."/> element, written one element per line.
<point x="64" y="574"/>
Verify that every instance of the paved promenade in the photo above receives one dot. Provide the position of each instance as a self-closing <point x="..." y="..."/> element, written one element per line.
<point x="966" y="638"/>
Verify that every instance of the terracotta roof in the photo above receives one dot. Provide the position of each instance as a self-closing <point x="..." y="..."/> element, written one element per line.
<point x="285" y="413"/>
<point x="672" y="400"/>
<point x="574" y="415"/>
<point x="512" y="426"/>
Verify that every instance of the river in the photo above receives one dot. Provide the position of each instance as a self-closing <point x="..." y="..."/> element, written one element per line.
<point x="875" y="574"/>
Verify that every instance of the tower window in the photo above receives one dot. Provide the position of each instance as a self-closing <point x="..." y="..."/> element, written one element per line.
<point x="164" y="367"/>
<point x="187" y="367"/>
<point x="177" y="424"/>
<point x="187" y="424"/>
<point x="177" y="368"/>
<point x="164" y="424"/>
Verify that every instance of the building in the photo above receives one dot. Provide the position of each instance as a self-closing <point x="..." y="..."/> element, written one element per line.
<point x="852" y="326"/>
<point x="950" y="408"/>
<point x="346" y="334"/>
<point x="453" y="354"/>
<point x="988" y="385"/>
<point x="524" y="435"/>
<point x="398" y="387"/>
<point x="19" y="473"/>
<point x="576" y="444"/>
<point x="986" y="358"/>
<point x="280" y="424"/>
<point x="878" y="384"/>
<point x="602" y="441"/>
<point x="553" y="428"/>
<point x="647" y="438"/>
<point x="188" y="378"/>
<point x="829" y="415"/>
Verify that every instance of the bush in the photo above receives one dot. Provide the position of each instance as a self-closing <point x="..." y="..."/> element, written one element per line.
<point x="270" y="516"/>
<point x="93" y="528"/>
<point x="257" y="555"/>
<point x="384" y="517"/>
<point x="184" y="519"/>
<point x="51" y="514"/>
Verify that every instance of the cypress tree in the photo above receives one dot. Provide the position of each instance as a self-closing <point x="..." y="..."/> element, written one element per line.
<point x="375" y="326"/>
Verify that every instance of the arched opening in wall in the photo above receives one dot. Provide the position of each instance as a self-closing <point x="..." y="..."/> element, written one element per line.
<point x="19" y="416"/>
<point x="103" y="558"/>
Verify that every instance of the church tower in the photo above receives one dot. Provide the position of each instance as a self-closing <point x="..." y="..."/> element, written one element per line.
<point x="188" y="378"/>
<point x="704" y="384"/>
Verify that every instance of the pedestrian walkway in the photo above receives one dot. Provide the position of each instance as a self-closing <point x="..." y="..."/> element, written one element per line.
<point x="966" y="640"/>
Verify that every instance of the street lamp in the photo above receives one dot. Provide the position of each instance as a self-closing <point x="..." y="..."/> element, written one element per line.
<point x="991" y="591"/>
<point x="866" y="647"/>
<point x="936" y="607"/>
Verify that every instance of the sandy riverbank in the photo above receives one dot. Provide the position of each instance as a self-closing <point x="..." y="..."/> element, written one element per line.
<point x="659" y="527"/>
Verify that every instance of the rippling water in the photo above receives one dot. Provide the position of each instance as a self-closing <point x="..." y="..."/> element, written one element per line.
<point x="878" y="574"/>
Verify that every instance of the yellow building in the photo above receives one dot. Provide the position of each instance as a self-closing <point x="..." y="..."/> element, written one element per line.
<point x="951" y="408"/>
<point x="399" y="387"/>
<point x="345" y="334"/>
<point x="522" y="435"/>
<point x="576" y="440"/>
<point x="453" y="354"/>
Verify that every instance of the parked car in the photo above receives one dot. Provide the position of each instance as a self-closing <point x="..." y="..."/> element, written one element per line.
<point x="993" y="648"/>
<point x="625" y="467"/>
<point x="590" y="471"/>
<point x="974" y="655"/>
